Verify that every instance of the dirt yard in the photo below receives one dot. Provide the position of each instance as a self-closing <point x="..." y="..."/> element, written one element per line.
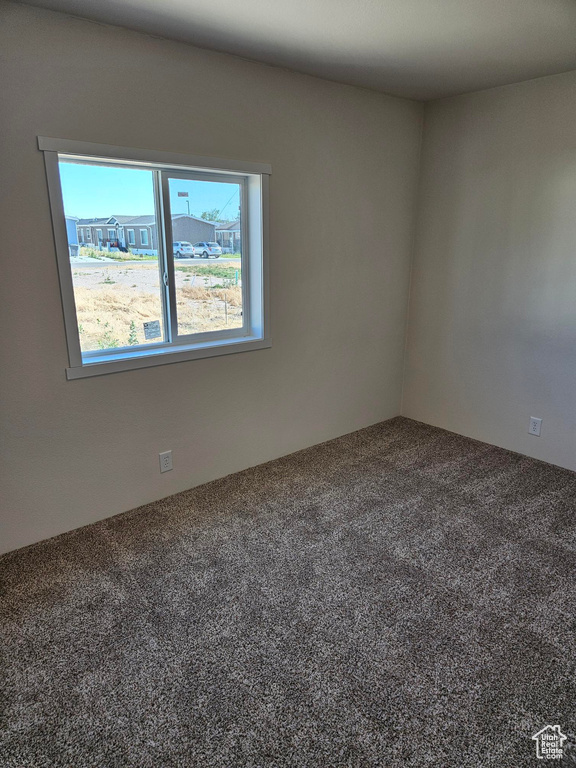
<point x="114" y="301"/>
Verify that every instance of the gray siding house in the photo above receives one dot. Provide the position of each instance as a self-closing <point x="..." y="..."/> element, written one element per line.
<point x="192" y="229"/>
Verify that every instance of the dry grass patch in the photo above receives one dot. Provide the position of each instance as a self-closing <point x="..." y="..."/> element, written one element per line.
<point x="113" y="315"/>
<point x="198" y="293"/>
<point x="208" y="309"/>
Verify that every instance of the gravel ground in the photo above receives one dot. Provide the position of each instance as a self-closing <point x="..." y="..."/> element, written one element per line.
<point x="144" y="276"/>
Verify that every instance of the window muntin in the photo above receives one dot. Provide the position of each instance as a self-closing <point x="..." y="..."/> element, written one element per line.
<point x="174" y="343"/>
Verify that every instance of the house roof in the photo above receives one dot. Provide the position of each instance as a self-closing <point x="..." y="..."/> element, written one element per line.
<point x="147" y="220"/>
<point x="129" y="220"/>
<point x="228" y="226"/>
<point x="125" y="219"/>
<point x="152" y="219"/>
<point x="92" y="222"/>
<point x="189" y="216"/>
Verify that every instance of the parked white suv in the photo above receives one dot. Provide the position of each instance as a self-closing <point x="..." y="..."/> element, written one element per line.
<point x="183" y="250"/>
<point x="208" y="249"/>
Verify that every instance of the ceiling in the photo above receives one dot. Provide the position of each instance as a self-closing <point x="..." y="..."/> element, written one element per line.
<point x="421" y="49"/>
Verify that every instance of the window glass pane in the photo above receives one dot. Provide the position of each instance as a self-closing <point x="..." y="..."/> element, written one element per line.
<point x="117" y="286"/>
<point x="208" y="274"/>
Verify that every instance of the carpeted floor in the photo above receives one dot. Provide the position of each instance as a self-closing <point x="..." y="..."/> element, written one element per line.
<point x="400" y="596"/>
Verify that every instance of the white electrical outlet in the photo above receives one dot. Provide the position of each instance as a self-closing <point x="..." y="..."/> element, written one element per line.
<point x="165" y="461"/>
<point x="535" y="426"/>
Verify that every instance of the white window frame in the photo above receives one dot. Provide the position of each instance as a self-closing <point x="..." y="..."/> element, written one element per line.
<point x="131" y="236"/>
<point x="88" y="235"/>
<point x="253" y="179"/>
<point x="144" y="240"/>
<point x="111" y="236"/>
<point x="99" y="235"/>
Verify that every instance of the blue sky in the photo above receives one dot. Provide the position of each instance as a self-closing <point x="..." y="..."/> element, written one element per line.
<point x="98" y="191"/>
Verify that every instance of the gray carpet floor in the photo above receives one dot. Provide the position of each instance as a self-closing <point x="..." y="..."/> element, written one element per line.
<point x="401" y="596"/>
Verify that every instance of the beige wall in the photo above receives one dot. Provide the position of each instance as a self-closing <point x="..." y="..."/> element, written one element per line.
<point x="344" y="171"/>
<point x="492" y="330"/>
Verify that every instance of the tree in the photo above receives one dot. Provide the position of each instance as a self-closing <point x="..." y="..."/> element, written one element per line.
<point x="210" y="215"/>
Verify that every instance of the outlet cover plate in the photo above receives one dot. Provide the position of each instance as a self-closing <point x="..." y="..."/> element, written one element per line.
<point x="535" y="426"/>
<point x="165" y="461"/>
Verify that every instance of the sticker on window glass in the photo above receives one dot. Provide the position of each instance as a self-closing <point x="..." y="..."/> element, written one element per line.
<point x="152" y="329"/>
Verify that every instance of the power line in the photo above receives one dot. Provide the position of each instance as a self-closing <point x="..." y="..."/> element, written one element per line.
<point x="229" y="201"/>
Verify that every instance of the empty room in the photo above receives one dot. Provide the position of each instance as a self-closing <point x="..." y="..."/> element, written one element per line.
<point x="287" y="383"/>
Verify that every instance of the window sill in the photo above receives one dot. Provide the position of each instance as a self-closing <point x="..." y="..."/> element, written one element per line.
<point x="164" y="356"/>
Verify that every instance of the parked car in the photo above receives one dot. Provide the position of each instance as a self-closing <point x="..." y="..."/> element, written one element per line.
<point x="183" y="250"/>
<point x="208" y="249"/>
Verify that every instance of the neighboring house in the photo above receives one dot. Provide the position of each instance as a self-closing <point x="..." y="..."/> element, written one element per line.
<point x="135" y="232"/>
<point x="72" y="233"/>
<point x="138" y="233"/>
<point x="228" y="236"/>
<point x="88" y="230"/>
<point x="192" y="229"/>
